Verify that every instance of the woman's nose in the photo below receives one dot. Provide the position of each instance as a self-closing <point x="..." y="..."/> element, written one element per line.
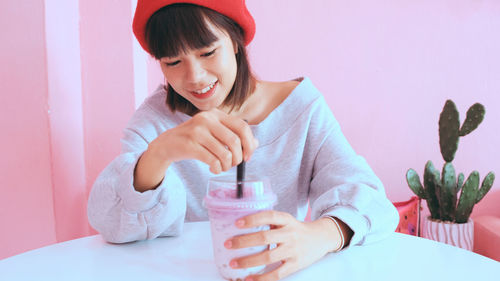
<point x="195" y="72"/>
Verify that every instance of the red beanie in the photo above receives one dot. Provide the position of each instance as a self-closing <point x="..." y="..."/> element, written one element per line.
<point x="234" y="9"/>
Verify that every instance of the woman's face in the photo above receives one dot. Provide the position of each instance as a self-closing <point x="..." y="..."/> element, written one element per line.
<point x="203" y="76"/>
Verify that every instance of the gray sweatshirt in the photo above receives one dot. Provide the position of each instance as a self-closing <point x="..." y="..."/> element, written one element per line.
<point x="302" y="152"/>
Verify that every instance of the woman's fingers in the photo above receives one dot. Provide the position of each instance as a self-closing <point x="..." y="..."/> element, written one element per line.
<point x="219" y="151"/>
<point x="210" y="133"/>
<point x="262" y="258"/>
<point x="243" y="131"/>
<point x="259" y="238"/>
<point x="270" y="217"/>
<point x="230" y="140"/>
<point x="205" y="155"/>
<point x="281" y="272"/>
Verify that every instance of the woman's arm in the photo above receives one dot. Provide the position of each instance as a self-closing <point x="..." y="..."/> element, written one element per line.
<point x="122" y="214"/>
<point x="115" y="208"/>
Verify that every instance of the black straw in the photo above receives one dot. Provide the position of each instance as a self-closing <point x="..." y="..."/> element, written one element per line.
<point x="240" y="177"/>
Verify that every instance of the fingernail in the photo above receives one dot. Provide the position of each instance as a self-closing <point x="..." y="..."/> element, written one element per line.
<point x="240" y="223"/>
<point x="228" y="244"/>
<point x="233" y="264"/>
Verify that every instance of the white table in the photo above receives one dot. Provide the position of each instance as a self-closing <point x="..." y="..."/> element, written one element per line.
<point x="189" y="257"/>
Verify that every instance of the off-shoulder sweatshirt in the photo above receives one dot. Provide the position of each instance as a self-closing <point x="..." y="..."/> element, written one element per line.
<point x="302" y="153"/>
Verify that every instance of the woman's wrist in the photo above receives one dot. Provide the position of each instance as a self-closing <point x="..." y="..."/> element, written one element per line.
<point x="341" y="232"/>
<point x="149" y="171"/>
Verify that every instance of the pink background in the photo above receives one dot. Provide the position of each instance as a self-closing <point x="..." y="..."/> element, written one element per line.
<point x="71" y="75"/>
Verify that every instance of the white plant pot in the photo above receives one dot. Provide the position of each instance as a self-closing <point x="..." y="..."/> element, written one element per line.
<point x="456" y="234"/>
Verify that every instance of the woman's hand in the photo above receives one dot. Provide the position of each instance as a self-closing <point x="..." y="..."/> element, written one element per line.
<point x="299" y="244"/>
<point x="213" y="137"/>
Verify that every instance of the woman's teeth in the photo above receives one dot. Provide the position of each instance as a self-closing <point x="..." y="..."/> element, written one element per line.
<point x="202" y="91"/>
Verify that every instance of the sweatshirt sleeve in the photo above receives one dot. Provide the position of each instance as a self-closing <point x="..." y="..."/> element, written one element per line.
<point x="344" y="186"/>
<point x="122" y="214"/>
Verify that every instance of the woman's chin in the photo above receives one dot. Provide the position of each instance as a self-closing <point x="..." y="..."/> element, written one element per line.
<point x="204" y="107"/>
<point x="208" y="106"/>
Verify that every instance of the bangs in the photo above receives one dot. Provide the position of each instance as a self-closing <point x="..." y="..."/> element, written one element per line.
<point x="177" y="28"/>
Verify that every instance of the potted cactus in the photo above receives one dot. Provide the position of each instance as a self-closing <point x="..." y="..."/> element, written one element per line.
<point x="450" y="200"/>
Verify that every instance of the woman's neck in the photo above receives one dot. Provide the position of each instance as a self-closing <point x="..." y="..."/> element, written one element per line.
<point x="264" y="99"/>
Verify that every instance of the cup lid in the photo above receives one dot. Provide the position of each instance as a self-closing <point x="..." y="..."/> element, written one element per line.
<point x="221" y="193"/>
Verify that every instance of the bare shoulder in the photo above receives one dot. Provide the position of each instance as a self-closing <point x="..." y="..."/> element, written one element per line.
<point x="267" y="97"/>
<point x="289" y="86"/>
<point x="281" y="90"/>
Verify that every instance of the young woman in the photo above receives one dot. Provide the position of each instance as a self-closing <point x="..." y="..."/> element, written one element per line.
<point x="193" y="127"/>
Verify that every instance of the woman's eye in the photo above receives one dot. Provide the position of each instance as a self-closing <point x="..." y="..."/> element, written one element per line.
<point x="209" y="53"/>
<point x="172" y="63"/>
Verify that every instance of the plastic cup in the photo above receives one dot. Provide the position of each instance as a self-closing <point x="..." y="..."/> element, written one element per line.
<point x="224" y="208"/>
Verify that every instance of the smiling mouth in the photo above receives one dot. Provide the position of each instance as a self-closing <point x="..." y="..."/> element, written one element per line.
<point x="206" y="92"/>
<point x="206" y="89"/>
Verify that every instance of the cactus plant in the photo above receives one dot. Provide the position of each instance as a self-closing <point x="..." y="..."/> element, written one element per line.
<point x="442" y="190"/>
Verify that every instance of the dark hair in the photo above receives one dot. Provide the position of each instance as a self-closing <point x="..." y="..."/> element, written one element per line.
<point x="176" y="28"/>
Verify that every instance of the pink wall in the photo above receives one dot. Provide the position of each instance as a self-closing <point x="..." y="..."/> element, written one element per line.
<point x="66" y="122"/>
<point x="26" y="201"/>
<point x="385" y="68"/>
<point x="63" y="66"/>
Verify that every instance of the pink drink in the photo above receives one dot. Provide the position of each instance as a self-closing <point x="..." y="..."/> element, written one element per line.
<point x="223" y="211"/>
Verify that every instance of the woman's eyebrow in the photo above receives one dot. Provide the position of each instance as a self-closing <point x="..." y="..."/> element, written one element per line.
<point x="167" y="58"/>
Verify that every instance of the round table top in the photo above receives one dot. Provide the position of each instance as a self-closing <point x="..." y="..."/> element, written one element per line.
<point x="189" y="257"/>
